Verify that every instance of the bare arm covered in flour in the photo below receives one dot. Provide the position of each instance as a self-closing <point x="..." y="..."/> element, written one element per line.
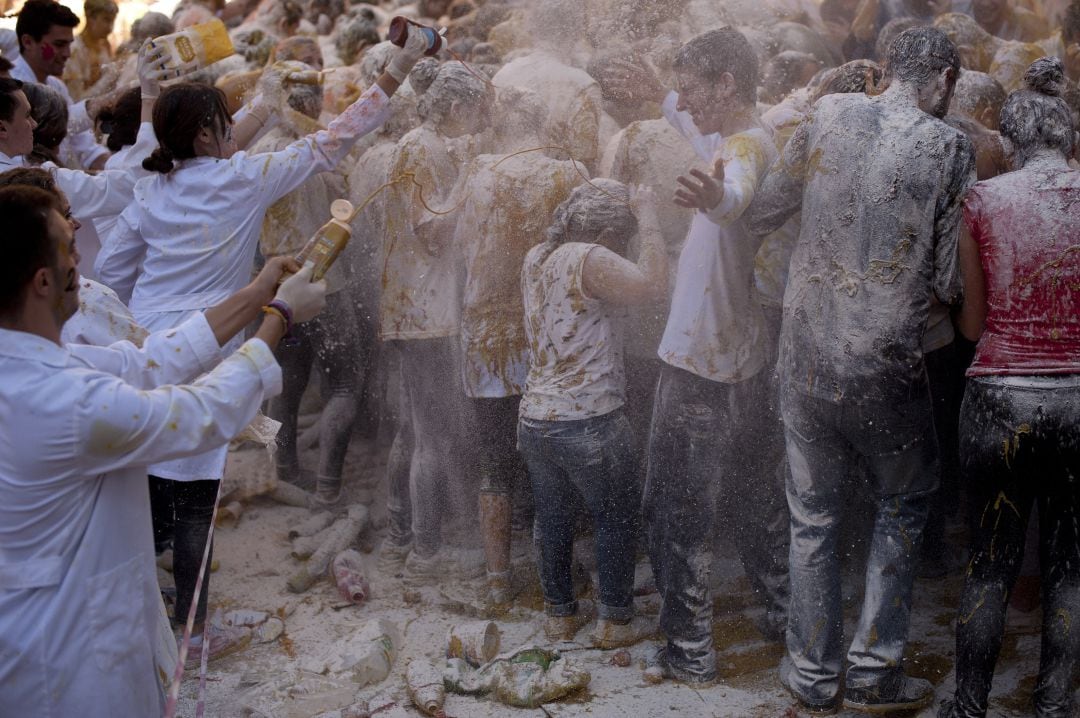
<point x="611" y="278"/>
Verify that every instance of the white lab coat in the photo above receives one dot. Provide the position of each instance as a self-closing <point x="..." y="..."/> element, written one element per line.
<point x="128" y="159"/>
<point x="104" y="194"/>
<point x="189" y="238"/>
<point x="79" y="147"/>
<point x="79" y="601"/>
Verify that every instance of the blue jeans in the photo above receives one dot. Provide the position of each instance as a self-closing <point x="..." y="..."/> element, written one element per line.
<point x="824" y="440"/>
<point x="592" y="459"/>
<point x="712" y="462"/>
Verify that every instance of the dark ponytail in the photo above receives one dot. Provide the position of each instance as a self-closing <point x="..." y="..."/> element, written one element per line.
<point x="179" y="114"/>
<point x="160" y="160"/>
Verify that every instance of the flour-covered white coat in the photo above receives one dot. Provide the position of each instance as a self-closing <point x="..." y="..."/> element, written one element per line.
<point x="188" y="239"/>
<point x="79" y="602"/>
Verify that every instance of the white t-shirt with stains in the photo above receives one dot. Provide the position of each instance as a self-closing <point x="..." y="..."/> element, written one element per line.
<point x="575" y="341"/>
<point x="716" y="327"/>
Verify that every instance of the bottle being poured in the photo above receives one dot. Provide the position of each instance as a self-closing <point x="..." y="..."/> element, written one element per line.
<point x="327" y="244"/>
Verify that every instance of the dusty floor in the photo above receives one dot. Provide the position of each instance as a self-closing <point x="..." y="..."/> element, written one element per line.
<point x="255" y="563"/>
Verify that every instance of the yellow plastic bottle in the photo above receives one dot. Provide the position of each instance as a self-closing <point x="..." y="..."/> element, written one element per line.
<point x="196" y="47"/>
<point x="328" y="243"/>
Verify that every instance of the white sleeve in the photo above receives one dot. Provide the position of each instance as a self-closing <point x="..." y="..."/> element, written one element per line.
<point x="103" y="194"/>
<point x="170" y="356"/>
<point x="273" y="175"/>
<point x="121" y="254"/>
<point x="118" y="425"/>
<point x="84" y="149"/>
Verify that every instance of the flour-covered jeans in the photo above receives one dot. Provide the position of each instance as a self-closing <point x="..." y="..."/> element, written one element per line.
<point x="1020" y="443"/>
<point x="592" y="459"/>
<point x="824" y="440"/>
<point x="711" y="461"/>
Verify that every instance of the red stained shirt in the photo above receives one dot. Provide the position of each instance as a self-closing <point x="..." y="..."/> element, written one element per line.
<point x="1027" y="227"/>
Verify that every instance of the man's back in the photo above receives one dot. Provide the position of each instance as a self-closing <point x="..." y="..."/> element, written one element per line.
<point x="882" y="186"/>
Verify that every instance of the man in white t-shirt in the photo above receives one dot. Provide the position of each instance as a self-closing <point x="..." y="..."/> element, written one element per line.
<point x="707" y="460"/>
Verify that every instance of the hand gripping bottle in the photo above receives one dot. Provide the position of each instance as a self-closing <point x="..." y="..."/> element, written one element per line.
<point x="196" y="47"/>
<point x="400" y="29"/>
<point x="329" y="241"/>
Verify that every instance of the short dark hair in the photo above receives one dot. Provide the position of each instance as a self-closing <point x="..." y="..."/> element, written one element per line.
<point x="8" y="103"/>
<point x="120" y="120"/>
<point x="918" y="54"/>
<point x="26" y="221"/>
<point x="38" y="16"/>
<point x="718" y="51"/>
<point x="5" y="64"/>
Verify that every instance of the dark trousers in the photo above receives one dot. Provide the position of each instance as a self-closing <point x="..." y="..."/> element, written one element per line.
<point x="1021" y="446"/>
<point x="330" y="342"/>
<point x="711" y="460"/>
<point x="591" y="459"/>
<point x="182" y="511"/>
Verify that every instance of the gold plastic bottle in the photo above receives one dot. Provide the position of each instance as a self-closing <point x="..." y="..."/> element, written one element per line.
<point x="328" y="243"/>
<point x="196" y="47"/>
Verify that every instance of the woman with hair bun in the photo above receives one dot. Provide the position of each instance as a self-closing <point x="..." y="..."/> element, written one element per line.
<point x="1020" y="421"/>
<point x="189" y="239"/>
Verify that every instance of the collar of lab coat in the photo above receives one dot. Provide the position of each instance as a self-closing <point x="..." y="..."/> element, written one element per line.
<point x="7" y="163"/>
<point x="31" y="347"/>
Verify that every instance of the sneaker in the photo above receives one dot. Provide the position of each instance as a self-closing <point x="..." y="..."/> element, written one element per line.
<point x="658" y="669"/>
<point x="564" y="628"/>
<point x="392" y="557"/>
<point x="224" y="641"/>
<point x="421" y="571"/>
<point x="814" y="706"/>
<point x="608" y="634"/>
<point x="897" y="692"/>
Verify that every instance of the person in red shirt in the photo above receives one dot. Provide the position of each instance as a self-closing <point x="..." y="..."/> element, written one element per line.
<point x="1020" y="421"/>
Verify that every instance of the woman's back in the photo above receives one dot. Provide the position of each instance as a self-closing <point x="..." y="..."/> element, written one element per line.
<point x="1027" y="226"/>
<point x="575" y="341"/>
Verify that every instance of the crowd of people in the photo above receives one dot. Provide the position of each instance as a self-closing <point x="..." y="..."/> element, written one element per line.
<point x="799" y="274"/>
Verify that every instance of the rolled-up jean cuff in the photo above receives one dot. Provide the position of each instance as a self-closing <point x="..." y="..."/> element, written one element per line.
<point x="560" y="610"/>
<point x="617" y="614"/>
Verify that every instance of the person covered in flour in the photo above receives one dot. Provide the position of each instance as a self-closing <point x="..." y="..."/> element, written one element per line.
<point x="189" y="238"/>
<point x="79" y="424"/>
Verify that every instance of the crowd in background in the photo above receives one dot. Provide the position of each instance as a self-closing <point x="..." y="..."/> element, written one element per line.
<point x="799" y="275"/>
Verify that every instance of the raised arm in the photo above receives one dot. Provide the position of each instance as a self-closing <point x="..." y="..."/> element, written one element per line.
<point x="611" y="278"/>
<point x="279" y="173"/>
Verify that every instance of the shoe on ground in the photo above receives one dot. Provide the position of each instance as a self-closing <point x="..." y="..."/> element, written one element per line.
<point x="947" y="710"/>
<point x="421" y="571"/>
<point x="658" y="669"/>
<point x="391" y="560"/>
<point x="609" y="634"/>
<point x="814" y="706"/>
<point x="224" y="641"/>
<point x="499" y="590"/>
<point x="898" y="692"/>
<point x="564" y="628"/>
